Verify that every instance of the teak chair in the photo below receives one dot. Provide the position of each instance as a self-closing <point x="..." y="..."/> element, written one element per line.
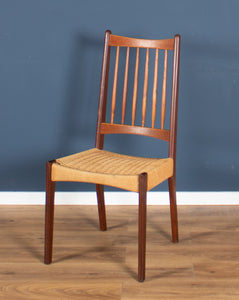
<point x="131" y="173"/>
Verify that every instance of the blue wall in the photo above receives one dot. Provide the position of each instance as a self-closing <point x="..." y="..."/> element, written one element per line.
<point x="50" y="60"/>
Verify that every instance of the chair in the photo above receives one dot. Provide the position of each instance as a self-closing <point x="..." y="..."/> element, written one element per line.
<point x="101" y="167"/>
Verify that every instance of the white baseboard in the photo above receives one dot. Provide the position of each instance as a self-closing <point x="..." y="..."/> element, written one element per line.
<point x="120" y="198"/>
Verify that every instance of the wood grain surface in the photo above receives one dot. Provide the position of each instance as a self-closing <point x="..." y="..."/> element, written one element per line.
<point x="90" y="264"/>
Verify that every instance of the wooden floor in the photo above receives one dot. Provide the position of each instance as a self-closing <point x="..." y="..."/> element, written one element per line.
<point x="89" y="264"/>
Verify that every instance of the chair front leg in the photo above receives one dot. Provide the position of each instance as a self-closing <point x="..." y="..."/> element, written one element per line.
<point x="142" y="226"/>
<point x="173" y="208"/>
<point x="49" y="214"/>
<point x="101" y="206"/>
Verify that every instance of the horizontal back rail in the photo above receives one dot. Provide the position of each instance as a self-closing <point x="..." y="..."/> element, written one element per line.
<point x="140" y="43"/>
<point x="107" y="128"/>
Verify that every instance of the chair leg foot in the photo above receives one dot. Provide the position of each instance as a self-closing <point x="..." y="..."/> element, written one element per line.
<point x="142" y="226"/>
<point x="173" y="209"/>
<point x="101" y="206"/>
<point x="49" y="214"/>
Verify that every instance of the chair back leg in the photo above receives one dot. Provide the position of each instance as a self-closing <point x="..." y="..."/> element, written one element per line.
<point x="173" y="208"/>
<point x="49" y="214"/>
<point x="101" y="206"/>
<point x="142" y="226"/>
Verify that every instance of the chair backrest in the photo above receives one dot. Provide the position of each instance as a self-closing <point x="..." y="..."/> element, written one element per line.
<point x="111" y="127"/>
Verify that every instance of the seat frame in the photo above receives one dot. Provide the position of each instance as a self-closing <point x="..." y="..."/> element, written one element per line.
<point x="105" y="128"/>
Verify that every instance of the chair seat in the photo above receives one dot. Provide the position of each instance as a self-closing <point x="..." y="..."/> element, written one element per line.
<point x="108" y="168"/>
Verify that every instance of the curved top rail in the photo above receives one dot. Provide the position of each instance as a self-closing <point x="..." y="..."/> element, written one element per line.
<point x="122" y="41"/>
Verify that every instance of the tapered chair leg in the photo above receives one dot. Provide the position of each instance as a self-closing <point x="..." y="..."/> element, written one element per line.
<point x="173" y="208"/>
<point x="101" y="206"/>
<point x="142" y="226"/>
<point x="49" y="214"/>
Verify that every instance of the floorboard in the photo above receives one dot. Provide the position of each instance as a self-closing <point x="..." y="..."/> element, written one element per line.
<point x="90" y="264"/>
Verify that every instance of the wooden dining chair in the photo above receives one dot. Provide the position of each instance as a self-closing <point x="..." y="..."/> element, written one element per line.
<point x="137" y="174"/>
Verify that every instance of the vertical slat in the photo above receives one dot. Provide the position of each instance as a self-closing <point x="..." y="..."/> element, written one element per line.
<point x="115" y="85"/>
<point x="155" y="88"/>
<point x="135" y="92"/>
<point x="145" y="92"/>
<point x="125" y="86"/>
<point x="164" y="89"/>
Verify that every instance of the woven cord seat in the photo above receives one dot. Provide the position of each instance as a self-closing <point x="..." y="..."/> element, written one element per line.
<point x="104" y="167"/>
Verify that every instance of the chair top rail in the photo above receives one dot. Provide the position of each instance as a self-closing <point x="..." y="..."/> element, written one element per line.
<point x="166" y="44"/>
